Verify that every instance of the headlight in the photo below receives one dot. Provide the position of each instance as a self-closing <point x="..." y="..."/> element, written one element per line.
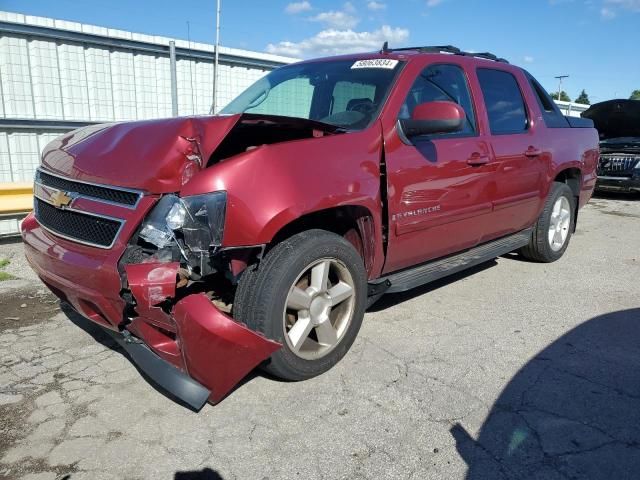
<point x="637" y="167"/>
<point x="176" y="216"/>
<point x="200" y="219"/>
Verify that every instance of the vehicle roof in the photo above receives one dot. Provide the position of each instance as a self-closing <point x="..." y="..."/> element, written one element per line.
<point x="412" y="54"/>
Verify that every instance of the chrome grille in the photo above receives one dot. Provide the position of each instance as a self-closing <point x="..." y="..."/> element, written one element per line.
<point x="56" y="210"/>
<point x="105" y="193"/>
<point x="617" y="164"/>
<point x="85" y="228"/>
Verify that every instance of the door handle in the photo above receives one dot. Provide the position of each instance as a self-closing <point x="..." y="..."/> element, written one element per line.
<point x="475" y="160"/>
<point x="532" y="152"/>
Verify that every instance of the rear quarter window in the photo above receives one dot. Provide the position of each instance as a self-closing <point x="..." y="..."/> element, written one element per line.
<point x="551" y="114"/>
<point x="503" y="100"/>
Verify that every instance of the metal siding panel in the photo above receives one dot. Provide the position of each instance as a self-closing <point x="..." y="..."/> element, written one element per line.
<point x="74" y="82"/>
<point x="2" y="114"/>
<point x="146" y="95"/>
<point x="184" y="70"/>
<point x="5" y="159"/>
<point x="15" y="75"/>
<point x="203" y="84"/>
<point x="45" y="78"/>
<point x="163" y="86"/>
<point x="8" y="227"/>
<point x="124" y="90"/>
<point x="25" y="155"/>
<point x="12" y="17"/>
<point x="99" y="85"/>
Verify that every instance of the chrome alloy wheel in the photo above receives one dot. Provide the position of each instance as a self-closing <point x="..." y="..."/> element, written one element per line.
<point x="319" y="309"/>
<point x="560" y="223"/>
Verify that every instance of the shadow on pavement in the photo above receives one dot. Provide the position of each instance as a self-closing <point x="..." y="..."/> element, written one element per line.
<point x="204" y="474"/>
<point x="612" y="195"/>
<point x="99" y="335"/>
<point x="572" y="412"/>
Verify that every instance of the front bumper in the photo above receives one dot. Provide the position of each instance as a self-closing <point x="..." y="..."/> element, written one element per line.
<point x="191" y="348"/>
<point x="165" y="375"/>
<point x="619" y="184"/>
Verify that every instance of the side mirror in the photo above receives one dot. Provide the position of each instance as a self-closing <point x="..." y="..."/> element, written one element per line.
<point x="434" y="117"/>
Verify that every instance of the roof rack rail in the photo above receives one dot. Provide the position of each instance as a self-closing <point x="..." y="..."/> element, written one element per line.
<point x="444" y="49"/>
<point x="485" y="55"/>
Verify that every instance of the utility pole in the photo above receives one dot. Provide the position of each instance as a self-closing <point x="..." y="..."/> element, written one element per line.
<point x="174" y="78"/>
<point x="560" y="78"/>
<point x="216" y="58"/>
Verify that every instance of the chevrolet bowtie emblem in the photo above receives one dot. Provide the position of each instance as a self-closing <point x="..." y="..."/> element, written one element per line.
<point x="61" y="199"/>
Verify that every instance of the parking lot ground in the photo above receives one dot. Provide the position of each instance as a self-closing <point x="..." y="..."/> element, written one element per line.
<point x="513" y="370"/>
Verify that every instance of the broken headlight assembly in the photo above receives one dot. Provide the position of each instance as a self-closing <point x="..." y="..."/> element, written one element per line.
<point x="198" y="220"/>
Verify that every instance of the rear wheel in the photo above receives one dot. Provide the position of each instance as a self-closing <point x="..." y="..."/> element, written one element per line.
<point x="309" y="293"/>
<point x="552" y="231"/>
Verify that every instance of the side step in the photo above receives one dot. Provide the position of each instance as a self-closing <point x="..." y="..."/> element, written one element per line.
<point x="428" y="272"/>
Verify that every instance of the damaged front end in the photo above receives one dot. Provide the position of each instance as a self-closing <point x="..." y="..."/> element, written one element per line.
<point x="179" y="287"/>
<point x="163" y="282"/>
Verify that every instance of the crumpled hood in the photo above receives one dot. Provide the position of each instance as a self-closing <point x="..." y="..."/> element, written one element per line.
<point x="147" y="155"/>
<point x="615" y="118"/>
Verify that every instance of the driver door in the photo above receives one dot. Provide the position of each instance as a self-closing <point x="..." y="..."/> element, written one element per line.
<point x="439" y="186"/>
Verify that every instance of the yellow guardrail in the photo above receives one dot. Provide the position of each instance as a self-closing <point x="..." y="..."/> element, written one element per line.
<point x="15" y="199"/>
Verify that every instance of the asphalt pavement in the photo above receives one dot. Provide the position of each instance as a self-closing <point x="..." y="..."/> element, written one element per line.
<point x="512" y="370"/>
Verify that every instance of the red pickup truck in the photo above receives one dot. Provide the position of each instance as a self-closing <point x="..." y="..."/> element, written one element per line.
<point x="209" y="245"/>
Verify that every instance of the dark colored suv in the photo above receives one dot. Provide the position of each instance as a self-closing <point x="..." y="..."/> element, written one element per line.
<point x="618" y="124"/>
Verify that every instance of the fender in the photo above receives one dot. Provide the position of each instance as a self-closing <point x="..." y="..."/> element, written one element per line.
<point x="272" y="185"/>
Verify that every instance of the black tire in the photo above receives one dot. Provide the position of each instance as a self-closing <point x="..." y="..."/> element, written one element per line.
<point x="539" y="248"/>
<point x="263" y="289"/>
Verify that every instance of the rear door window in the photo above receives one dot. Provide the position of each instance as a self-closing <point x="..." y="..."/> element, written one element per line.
<point x="503" y="100"/>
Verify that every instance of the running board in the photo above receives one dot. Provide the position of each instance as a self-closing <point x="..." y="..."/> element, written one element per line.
<point x="437" y="269"/>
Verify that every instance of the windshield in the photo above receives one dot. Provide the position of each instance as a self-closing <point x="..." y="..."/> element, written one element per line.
<point x="345" y="93"/>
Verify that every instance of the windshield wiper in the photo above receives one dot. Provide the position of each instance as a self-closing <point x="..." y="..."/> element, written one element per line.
<point x="284" y="119"/>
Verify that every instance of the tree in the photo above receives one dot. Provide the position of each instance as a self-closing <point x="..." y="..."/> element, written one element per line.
<point x="635" y="95"/>
<point x="563" y="96"/>
<point x="583" y="98"/>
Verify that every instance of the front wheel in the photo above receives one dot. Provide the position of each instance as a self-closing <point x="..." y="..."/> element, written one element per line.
<point x="309" y="293"/>
<point x="552" y="231"/>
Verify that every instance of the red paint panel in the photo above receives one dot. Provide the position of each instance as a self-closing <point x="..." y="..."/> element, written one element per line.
<point x="162" y="341"/>
<point x="272" y="185"/>
<point x="151" y="284"/>
<point x="147" y="155"/>
<point x="85" y="277"/>
<point x="218" y="351"/>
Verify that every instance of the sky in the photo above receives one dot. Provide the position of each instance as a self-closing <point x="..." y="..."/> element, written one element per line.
<point x="595" y="42"/>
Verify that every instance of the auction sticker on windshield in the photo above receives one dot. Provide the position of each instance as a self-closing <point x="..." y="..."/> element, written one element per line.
<point x="376" y="63"/>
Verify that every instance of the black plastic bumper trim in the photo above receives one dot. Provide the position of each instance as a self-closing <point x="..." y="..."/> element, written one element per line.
<point x="174" y="381"/>
<point x="622" y="184"/>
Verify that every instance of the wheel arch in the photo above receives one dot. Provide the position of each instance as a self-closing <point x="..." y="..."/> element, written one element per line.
<point x="354" y="222"/>
<point x="572" y="177"/>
